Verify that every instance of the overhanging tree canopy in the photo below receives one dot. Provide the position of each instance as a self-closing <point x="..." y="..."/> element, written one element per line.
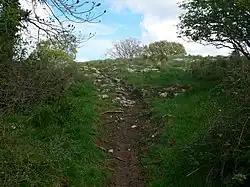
<point x="223" y="23"/>
<point x="63" y="15"/>
<point x="60" y="22"/>
<point x="61" y="19"/>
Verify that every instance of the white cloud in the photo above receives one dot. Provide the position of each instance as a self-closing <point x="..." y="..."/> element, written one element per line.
<point x="93" y="49"/>
<point x="160" y="19"/>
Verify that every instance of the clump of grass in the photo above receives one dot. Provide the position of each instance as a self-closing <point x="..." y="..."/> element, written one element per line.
<point x="53" y="144"/>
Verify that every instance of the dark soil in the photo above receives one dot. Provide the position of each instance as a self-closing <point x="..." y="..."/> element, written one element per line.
<point x="124" y="139"/>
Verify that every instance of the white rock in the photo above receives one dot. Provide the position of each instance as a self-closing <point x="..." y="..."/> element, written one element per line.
<point x="133" y="126"/>
<point x="164" y="94"/>
<point x="104" y="96"/>
<point x="178" y="59"/>
<point x="130" y="70"/>
<point x="111" y="150"/>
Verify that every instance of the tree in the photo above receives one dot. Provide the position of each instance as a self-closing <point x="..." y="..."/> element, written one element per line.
<point x="56" y="52"/>
<point x="66" y="44"/>
<point x="62" y="15"/>
<point x="162" y="49"/>
<point x="127" y="48"/>
<point x="223" y="23"/>
<point x="9" y="26"/>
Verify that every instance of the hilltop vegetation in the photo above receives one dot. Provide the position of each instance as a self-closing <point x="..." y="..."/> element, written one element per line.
<point x="151" y="116"/>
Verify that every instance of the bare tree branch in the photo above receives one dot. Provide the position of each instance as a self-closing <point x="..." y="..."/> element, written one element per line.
<point x="128" y="48"/>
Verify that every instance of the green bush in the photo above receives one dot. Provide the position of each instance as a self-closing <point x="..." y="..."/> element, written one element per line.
<point x="43" y="77"/>
<point x="222" y="154"/>
<point x="214" y="68"/>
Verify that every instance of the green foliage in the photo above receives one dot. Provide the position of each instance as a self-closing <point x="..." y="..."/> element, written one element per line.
<point x="53" y="144"/>
<point x="43" y="77"/>
<point x="9" y="27"/>
<point x="55" y="52"/>
<point x="222" y="153"/>
<point x="162" y="49"/>
<point x="47" y="114"/>
<point x="219" y="22"/>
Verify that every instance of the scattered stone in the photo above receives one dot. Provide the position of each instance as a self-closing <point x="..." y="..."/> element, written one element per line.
<point x="111" y="150"/>
<point x="149" y="69"/>
<point x="164" y="94"/>
<point x="179" y="59"/>
<point x="133" y="126"/>
<point x="130" y="70"/>
<point x="104" y="96"/>
<point x="105" y="90"/>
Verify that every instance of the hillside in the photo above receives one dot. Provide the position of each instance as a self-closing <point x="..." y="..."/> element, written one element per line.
<point x="168" y="123"/>
<point x="181" y="122"/>
<point x="148" y="115"/>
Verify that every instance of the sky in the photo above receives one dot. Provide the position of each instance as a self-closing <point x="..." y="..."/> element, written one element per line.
<point x="145" y="20"/>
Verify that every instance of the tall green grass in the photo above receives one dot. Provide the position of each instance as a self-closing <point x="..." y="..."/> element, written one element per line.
<point x="205" y="125"/>
<point x="53" y="144"/>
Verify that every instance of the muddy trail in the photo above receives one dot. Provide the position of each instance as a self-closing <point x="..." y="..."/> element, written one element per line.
<point x="124" y="147"/>
<point x="126" y="115"/>
<point x="124" y="126"/>
<point x="124" y="141"/>
<point x="127" y="119"/>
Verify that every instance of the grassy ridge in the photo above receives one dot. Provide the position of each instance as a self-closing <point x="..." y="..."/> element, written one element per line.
<point x="52" y="144"/>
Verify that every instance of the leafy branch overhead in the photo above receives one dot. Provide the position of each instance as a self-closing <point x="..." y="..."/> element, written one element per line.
<point x="223" y="23"/>
<point x="62" y="16"/>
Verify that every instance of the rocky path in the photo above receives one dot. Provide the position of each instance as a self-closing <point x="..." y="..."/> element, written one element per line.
<point x="124" y="147"/>
<point x="123" y="125"/>
<point x="124" y="138"/>
<point x="127" y="121"/>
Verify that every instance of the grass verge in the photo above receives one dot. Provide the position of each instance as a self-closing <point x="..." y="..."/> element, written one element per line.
<point x="53" y="144"/>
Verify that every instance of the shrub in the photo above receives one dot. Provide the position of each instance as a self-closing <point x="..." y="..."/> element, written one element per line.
<point x="42" y="77"/>
<point x="222" y="153"/>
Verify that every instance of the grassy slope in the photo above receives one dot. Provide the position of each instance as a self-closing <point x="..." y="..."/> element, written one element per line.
<point x="52" y="145"/>
<point x="183" y="119"/>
